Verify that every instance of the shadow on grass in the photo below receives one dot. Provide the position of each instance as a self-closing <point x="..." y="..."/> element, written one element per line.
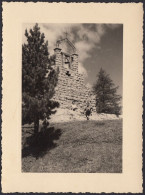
<point x="38" y="145"/>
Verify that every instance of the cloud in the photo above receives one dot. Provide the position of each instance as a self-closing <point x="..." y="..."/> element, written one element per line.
<point x="52" y="32"/>
<point x="82" y="70"/>
<point x="85" y="37"/>
<point x="89" y="37"/>
<point x="83" y="49"/>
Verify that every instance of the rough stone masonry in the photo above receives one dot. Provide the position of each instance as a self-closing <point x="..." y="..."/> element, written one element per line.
<point x="71" y="86"/>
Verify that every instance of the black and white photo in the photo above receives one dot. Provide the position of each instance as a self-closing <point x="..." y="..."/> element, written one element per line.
<point x="72" y="98"/>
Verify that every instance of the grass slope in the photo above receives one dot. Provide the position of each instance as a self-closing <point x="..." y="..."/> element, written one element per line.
<point x="81" y="146"/>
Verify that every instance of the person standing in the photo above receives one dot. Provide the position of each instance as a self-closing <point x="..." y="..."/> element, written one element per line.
<point x="88" y="110"/>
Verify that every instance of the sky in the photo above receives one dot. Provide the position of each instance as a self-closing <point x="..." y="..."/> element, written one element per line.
<point x="98" y="46"/>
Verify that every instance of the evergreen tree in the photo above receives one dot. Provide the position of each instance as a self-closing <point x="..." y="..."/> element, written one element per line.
<point x="38" y="79"/>
<point x="107" y="100"/>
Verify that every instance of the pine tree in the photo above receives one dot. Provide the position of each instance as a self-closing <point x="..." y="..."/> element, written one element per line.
<point x="107" y="100"/>
<point x="38" y="79"/>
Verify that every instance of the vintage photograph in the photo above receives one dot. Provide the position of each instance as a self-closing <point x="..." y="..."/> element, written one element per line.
<point x="72" y="103"/>
<point x="72" y="97"/>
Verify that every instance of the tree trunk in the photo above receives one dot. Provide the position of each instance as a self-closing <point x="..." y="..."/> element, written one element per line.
<point x="36" y="125"/>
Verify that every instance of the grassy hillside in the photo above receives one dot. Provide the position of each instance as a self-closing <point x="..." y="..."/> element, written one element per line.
<point x="80" y="146"/>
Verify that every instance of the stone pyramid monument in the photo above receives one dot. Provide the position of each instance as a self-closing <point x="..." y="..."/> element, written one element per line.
<point x="71" y="86"/>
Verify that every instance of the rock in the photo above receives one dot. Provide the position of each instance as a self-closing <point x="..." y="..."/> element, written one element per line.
<point x="66" y="115"/>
